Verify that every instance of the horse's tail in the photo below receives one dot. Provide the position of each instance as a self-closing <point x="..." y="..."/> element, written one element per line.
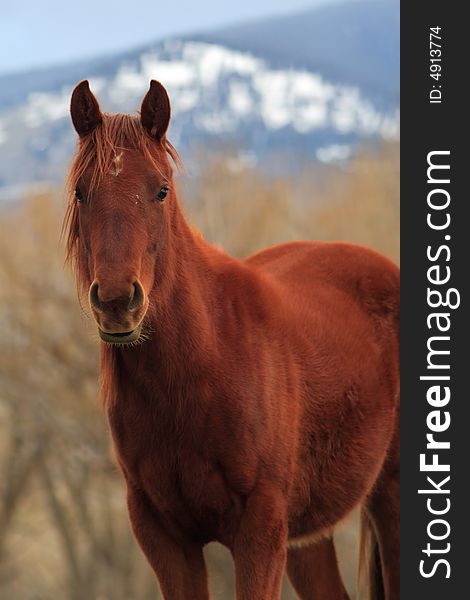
<point x="370" y="567"/>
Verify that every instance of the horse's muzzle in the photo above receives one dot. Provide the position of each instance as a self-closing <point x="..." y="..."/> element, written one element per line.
<point x="118" y="310"/>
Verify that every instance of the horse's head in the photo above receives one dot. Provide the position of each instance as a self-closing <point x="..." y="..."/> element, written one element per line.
<point x="118" y="217"/>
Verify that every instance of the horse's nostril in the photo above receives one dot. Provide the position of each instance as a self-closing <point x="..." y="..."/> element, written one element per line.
<point x="138" y="297"/>
<point x="94" y="297"/>
<point x="114" y="299"/>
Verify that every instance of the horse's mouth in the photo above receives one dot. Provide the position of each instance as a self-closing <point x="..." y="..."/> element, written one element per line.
<point x="124" y="337"/>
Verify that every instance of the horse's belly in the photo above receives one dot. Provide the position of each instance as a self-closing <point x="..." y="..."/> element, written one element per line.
<point x="338" y="470"/>
<point x="328" y="505"/>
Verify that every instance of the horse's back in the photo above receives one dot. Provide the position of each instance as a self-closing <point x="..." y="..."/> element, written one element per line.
<point x="336" y="273"/>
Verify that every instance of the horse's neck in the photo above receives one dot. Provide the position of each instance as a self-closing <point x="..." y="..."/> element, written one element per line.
<point x="182" y="314"/>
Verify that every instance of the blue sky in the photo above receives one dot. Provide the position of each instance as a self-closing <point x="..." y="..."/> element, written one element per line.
<point x="35" y="33"/>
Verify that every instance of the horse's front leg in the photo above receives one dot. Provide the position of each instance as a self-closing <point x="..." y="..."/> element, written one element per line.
<point x="259" y="548"/>
<point x="178" y="565"/>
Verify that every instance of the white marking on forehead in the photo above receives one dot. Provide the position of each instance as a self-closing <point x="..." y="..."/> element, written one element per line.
<point x="117" y="164"/>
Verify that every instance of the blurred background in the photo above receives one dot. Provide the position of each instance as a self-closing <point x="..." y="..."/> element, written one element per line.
<point x="286" y="115"/>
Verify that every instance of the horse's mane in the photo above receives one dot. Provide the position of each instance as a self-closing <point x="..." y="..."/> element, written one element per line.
<point x="114" y="134"/>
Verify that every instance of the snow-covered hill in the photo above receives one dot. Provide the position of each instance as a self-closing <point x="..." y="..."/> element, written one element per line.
<point x="218" y="94"/>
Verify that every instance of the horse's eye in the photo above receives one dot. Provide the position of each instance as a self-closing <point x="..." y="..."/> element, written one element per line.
<point x="162" y="193"/>
<point x="78" y="194"/>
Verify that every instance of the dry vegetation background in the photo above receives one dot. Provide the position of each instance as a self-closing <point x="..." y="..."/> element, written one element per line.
<point x="63" y="526"/>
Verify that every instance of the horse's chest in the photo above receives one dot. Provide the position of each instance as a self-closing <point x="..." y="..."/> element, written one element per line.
<point x="178" y="473"/>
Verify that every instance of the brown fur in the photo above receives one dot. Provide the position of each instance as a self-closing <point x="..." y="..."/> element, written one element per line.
<point x="260" y="404"/>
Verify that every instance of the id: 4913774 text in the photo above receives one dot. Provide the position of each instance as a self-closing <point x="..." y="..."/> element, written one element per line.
<point x="435" y="64"/>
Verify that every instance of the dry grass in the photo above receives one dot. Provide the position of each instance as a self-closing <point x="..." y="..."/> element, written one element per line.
<point x="244" y="211"/>
<point x="63" y="524"/>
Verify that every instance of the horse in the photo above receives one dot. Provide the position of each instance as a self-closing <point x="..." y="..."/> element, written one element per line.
<point x="250" y="402"/>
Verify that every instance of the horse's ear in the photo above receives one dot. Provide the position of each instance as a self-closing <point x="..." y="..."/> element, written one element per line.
<point x="84" y="109"/>
<point x="155" y="111"/>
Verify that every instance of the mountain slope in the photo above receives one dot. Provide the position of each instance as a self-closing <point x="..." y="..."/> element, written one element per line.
<point x="237" y="86"/>
<point x="354" y="43"/>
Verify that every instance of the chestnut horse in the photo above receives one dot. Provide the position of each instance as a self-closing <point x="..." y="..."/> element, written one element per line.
<point x="252" y="402"/>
